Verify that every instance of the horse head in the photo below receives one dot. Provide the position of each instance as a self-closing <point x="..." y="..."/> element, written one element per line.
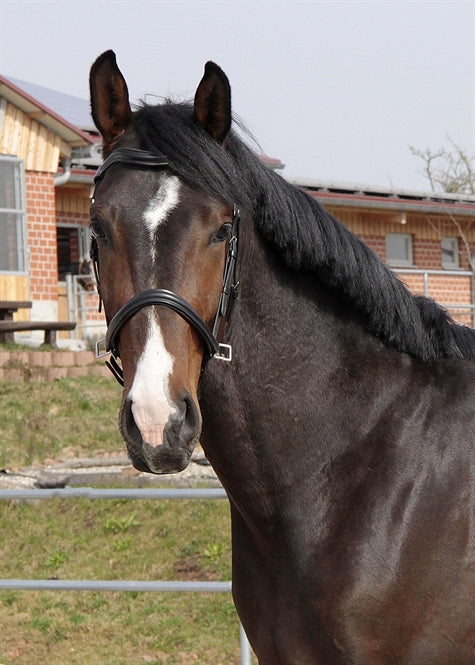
<point x="160" y="247"/>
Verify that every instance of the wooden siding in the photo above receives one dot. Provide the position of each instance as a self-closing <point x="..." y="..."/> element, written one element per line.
<point x="75" y="200"/>
<point x="22" y="136"/>
<point x="370" y="222"/>
<point x="63" y="313"/>
<point x="15" y="287"/>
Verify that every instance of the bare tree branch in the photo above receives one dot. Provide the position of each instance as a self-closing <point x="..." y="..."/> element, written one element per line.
<point x="450" y="170"/>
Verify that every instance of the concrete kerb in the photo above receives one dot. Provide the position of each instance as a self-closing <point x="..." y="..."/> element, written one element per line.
<point x="111" y="471"/>
<point x="49" y="365"/>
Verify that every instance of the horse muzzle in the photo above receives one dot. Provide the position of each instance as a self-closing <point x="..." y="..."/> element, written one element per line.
<point x="179" y="436"/>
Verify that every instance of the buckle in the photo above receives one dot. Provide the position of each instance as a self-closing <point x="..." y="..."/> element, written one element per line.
<point x="101" y="348"/>
<point x="224" y="352"/>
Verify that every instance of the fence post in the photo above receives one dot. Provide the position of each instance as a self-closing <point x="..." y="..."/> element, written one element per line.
<point x="245" y="646"/>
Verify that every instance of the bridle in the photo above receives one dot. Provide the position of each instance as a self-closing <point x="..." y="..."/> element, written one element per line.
<point x="163" y="297"/>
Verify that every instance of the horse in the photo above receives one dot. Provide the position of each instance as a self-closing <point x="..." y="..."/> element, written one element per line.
<point x="337" y="409"/>
<point x="86" y="279"/>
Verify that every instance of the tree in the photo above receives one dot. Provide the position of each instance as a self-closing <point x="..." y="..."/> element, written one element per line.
<point x="448" y="169"/>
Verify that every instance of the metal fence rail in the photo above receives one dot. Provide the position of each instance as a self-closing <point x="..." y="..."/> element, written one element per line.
<point x="113" y="493"/>
<point x="122" y="585"/>
<point x="115" y="585"/>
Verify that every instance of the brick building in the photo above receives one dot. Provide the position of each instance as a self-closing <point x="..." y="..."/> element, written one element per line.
<point x="47" y="164"/>
<point x="48" y="155"/>
<point x="427" y="239"/>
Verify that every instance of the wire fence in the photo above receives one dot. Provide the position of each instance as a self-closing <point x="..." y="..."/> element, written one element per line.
<point x="122" y="585"/>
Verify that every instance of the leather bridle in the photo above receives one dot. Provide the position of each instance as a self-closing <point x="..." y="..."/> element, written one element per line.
<point x="163" y="297"/>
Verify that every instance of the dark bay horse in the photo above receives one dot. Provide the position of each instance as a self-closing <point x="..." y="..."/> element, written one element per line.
<point x="337" y="409"/>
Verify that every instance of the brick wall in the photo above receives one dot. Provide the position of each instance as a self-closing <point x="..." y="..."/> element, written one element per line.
<point x="376" y="243"/>
<point x="464" y="263"/>
<point x="68" y="217"/>
<point x="41" y="214"/>
<point x="427" y="253"/>
<point x="445" y="289"/>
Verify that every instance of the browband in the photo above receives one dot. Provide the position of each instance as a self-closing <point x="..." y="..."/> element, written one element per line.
<point x="132" y="157"/>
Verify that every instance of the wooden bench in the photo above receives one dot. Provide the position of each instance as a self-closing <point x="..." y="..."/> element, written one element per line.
<point x="50" y="328"/>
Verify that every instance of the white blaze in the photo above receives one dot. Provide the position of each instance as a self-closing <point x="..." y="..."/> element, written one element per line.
<point x="167" y="198"/>
<point x="152" y="405"/>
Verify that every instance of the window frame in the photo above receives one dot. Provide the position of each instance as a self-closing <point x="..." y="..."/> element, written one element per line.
<point x="451" y="265"/>
<point x="21" y="219"/>
<point x="83" y="237"/>
<point x="397" y="262"/>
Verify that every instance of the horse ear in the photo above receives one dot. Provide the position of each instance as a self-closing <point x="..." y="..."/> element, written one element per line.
<point x="110" y="105"/>
<point x="212" y="107"/>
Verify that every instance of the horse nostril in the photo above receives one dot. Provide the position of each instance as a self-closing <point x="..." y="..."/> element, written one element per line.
<point x="132" y="436"/>
<point x="192" y="416"/>
<point x="127" y="422"/>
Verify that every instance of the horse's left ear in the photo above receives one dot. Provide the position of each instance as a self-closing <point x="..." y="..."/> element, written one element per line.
<point x="212" y="107"/>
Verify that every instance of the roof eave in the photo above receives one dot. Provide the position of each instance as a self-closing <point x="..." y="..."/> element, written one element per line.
<point x="43" y="115"/>
<point x="370" y="197"/>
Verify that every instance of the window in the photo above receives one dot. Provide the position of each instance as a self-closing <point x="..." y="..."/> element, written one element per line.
<point x="399" y="249"/>
<point x="12" y="215"/>
<point x="450" y="252"/>
<point x="73" y="249"/>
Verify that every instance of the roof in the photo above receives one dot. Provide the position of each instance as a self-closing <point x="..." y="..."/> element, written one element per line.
<point x="370" y="196"/>
<point x="272" y="162"/>
<point x="23" y="96"/>
<point x="71" y="119"/>
<point x="73" y="109"/>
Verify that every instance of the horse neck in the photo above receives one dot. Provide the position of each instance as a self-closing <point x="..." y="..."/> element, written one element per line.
<point x="269" y="417"/>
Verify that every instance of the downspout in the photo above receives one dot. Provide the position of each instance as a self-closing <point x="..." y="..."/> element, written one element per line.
<point x="473" y="295"/>
<point x="3" y="107"/>
<point x="62" y="178"/>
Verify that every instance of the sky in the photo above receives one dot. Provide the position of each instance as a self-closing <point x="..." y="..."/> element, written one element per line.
<point x="338" y="91"/>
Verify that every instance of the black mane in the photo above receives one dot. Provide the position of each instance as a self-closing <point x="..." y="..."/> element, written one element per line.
<point x="304" y="234"/>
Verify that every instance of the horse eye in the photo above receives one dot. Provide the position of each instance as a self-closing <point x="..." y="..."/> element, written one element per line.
<point x="97" y="230"/>
<point x="222" y="233"/>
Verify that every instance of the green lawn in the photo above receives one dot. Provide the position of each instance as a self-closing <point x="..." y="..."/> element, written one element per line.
<point x="58" y="419"/>
<point x="116" y="539"/>
<point x="104" y="539"/>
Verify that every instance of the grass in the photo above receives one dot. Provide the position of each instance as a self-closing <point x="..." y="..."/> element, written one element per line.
<point x="116" y="539"/>
<point x="13" y="346"/>
<point x="59" y="419"/>
<point x="109" y="539"/>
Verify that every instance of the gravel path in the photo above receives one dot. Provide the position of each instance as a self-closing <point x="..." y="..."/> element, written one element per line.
<point x="116" y="471"/>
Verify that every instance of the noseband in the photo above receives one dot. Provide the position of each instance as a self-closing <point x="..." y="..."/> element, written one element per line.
<point x="163" y="297"/>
